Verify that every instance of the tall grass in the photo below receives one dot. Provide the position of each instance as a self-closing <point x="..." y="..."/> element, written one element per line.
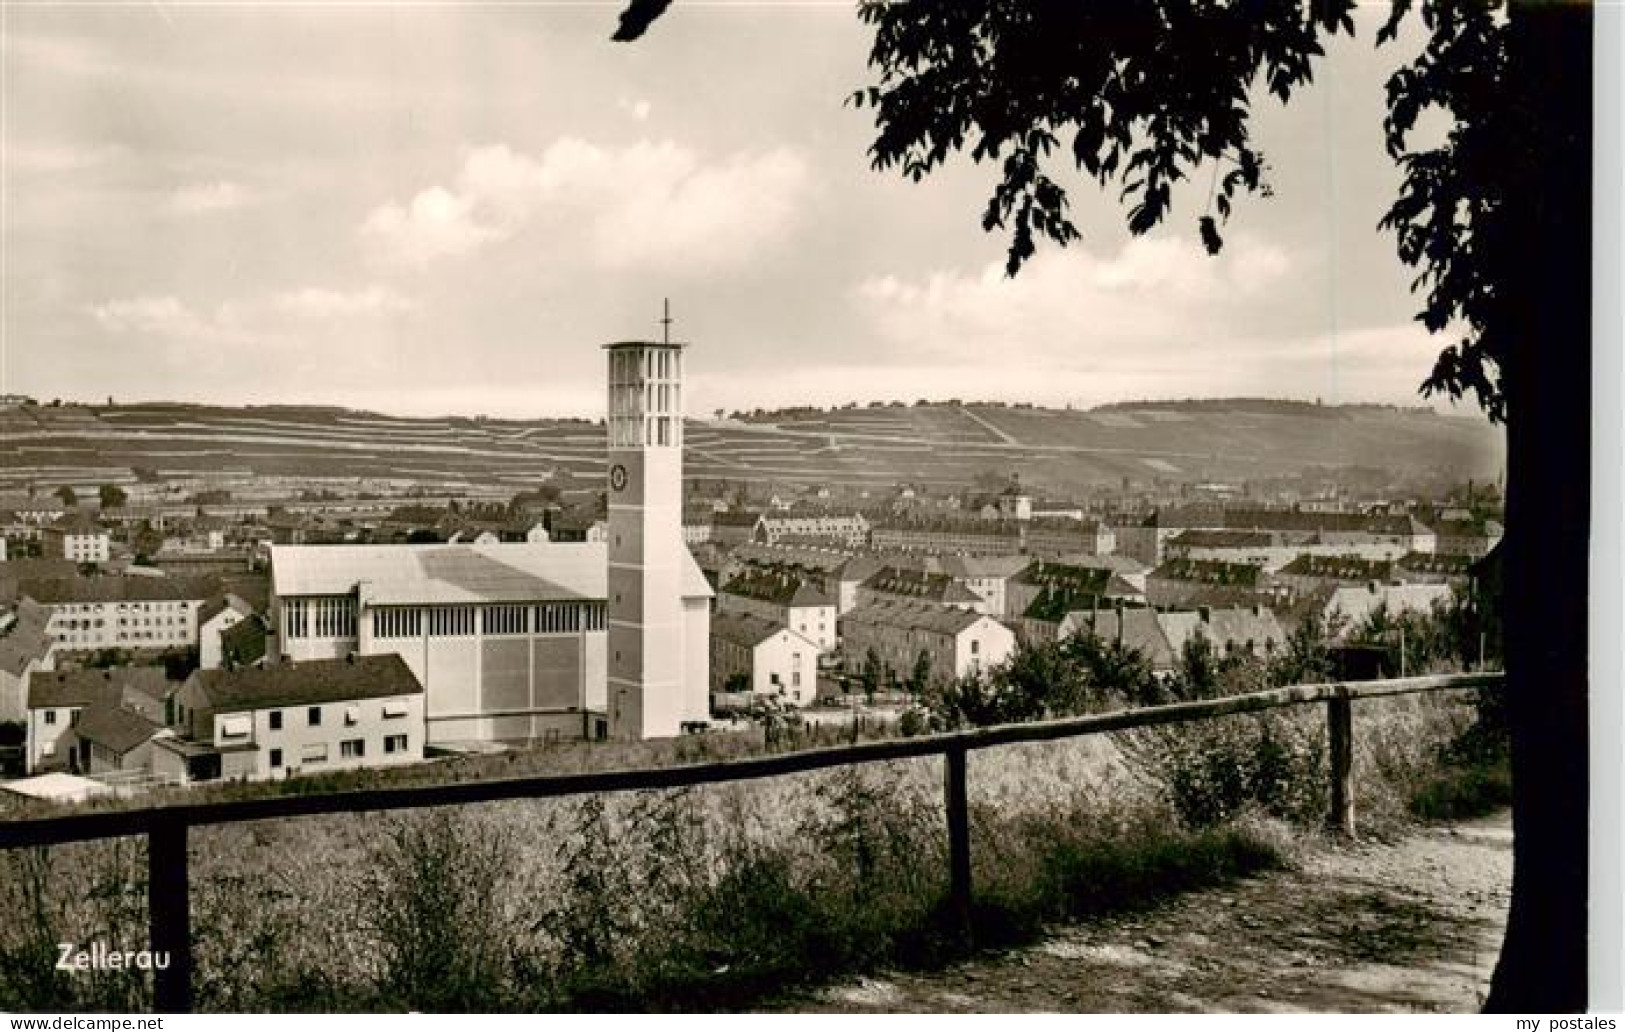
<point x="704" y="898"/>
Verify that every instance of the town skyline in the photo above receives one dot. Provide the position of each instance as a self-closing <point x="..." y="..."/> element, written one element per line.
<point x="192" y="217"/>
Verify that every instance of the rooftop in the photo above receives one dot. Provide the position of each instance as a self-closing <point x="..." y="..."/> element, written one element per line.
<point x="745" y="629"/>
<point x="58" y="689"/>
<point x="451" y="574"/>
<point x="309" y="683"/>
<point x="913" y="616"/>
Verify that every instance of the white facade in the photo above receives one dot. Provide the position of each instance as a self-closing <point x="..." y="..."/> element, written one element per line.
<point x="508" y="640"/>
<point x="129" y="624"/>
<point x="778" y="662"/>
<point x="209" y="632"/>
<point x="956" y="642"/>
<point x="653" y="633"/>
<point x="91" y="546"/>
<point x="346" y="736"/>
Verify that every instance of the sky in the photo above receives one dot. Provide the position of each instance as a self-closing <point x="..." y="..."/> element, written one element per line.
<point x="445" y="209"/>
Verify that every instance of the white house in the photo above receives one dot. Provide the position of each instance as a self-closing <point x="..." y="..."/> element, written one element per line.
<point x="78" y="538"/>
<point x="218" y="616"/>
<point x="783" y="597"/>
<point x="955" y="641"/>
<point x="89" y="613"/>
<point x="25" y="647"/>
<point x="271" y="722"/>
<point x="772" y="659"/>
<point x="58" y="699"/>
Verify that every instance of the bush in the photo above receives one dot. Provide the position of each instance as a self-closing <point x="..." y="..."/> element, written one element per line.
<point x="434" y="899"/>
<point x="1214" y="771"/>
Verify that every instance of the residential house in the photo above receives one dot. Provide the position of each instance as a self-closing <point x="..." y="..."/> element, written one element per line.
<point x="955" y="642"/>
<point x="310" y="717"/>
<point x="77" y="537"/>
<point x="58" y="699"/>
<point x="785" y="597"/>
<point x="89" y="613"/>
<point x="763" y="657"/>
<point x="26" y="646"/>
<point x="1253" y="630"/>
<point x="217" y="616"/>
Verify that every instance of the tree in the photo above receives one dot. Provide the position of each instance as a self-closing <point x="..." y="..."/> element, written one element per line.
<point x="112" y="496"/>
<point x="68" y="495"/>
<point x="1496" y="219"/>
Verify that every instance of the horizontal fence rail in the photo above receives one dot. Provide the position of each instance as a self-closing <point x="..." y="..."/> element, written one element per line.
<point x="166" y="826"/>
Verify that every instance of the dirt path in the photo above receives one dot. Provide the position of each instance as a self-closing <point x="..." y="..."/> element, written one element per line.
<point x="1410" y="926"/>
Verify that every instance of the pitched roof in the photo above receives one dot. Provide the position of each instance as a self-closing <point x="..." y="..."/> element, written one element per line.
<point x="1121" y="564"/>
<point x="76" y="523"/>
<point x="1195" y="538"/>
<point x="818" y="559"/>
<point x="746" y="629"/>
<point x="735" y="518"/>
<point x="68" y="688"/>
<point x="219" y="604"/>
<point x="1340" y="567"/>
<point x="516" y="571"/>
<point x="245" y="642"/>
<point x="919" y="584"/>
<point x="115" y="727"/>
<point x="1209" y="571"/>
<point x="63" y="590"/>
<point x="1138" y="628"/>
<point x="307" y="683"/>
<point x="1439" y="563"/>
<point x="913" y="616"/>
<point x="968" y="566"/>
<point x="27" y="640"/>
<point x="779" y="586"/>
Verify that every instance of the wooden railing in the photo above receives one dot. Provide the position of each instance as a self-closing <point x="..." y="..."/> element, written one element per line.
<point x="166" y="827"/>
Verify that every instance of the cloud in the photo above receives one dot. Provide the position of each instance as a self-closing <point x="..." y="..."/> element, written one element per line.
<point x="316" y="303"/>
<point x="204" y="198"/>
<point x="637" y="109"/>
<point x="157" y="316"/>
<point x="436" y="224"/>
<point x="1155" y="296"/>
<point x="56" y="158"/>
<point x="646" y="205"/>
<point x="1158" y="318"/>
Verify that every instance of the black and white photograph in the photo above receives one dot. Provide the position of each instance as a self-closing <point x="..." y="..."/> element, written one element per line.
<point x="896" y="506"/>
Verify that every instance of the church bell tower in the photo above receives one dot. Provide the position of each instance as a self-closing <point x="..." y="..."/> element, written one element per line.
<point x="647" y="555"/>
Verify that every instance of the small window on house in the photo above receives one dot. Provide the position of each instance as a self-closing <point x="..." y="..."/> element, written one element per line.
<point x="50" y="716"/>
<point x="353" y="749"/>
<point x="314" y="716"/>
<point x="975" y="647"/>
<point x="235" y="727"/>
<point x="276" y="758"/>
<point x="395" y="709"/>
<point x="352" y="715"/>
<point x="315" y="753"/>
<point x="394" y="743"/>
<point x="276" y="721"/>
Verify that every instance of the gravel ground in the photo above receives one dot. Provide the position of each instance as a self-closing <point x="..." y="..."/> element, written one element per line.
<point x="1413" y="925"/>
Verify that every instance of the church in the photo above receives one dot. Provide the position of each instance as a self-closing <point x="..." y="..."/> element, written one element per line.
<point x="535" y="641"/>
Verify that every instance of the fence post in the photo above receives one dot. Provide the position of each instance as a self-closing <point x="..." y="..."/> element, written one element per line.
<point x="1340" y="729"/>
<point x="959" y="884"/>
<point x="169" y="911"/>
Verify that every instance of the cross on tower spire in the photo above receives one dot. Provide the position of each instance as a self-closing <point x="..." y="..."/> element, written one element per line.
<point x="665" y="323"/>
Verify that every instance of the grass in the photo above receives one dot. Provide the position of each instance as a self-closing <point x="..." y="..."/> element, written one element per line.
<point x="710" y="898"/>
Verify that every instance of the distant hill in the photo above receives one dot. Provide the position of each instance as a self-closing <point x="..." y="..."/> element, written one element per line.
<point x="1221" y="440"/>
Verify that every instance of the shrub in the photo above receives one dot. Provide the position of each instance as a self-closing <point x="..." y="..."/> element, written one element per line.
<point x="433" y="898"/>
<point x="1213" y="771"/>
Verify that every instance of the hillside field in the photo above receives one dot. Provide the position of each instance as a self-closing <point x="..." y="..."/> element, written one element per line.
<point x="932" y="445"/>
